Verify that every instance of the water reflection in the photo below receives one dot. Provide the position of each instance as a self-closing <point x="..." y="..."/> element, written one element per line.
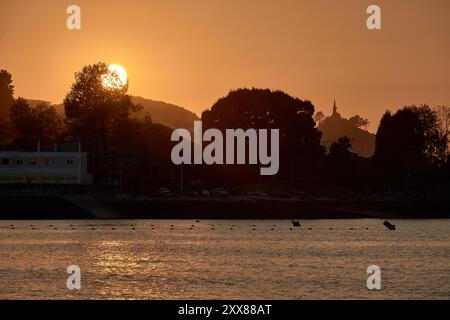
<point x="155" y="262"/>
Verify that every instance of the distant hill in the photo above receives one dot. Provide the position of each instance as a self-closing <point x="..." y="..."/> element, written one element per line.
<point x="335" y="126"/>
<point x="168" y="114"/>
<point x="34" y="102"/>
<point x="165" y="113"/>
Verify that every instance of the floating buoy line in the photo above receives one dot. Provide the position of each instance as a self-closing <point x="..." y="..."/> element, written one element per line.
<point x="222" y="227"/>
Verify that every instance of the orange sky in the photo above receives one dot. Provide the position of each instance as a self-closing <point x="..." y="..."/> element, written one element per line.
<point x="191" y="52"/>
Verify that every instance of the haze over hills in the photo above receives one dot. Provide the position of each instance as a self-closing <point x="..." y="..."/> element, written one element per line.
<point x="165" y="113"/>
<point x="161" y="112"/>
<point x="173" y="116"/>
<point x="35" y="102"/>
<point x="335" y="126"/>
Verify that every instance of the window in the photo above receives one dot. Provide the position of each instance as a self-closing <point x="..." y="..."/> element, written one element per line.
<point x="5" y="161"/>
<point x="70" y="162"/>
<point x="33" y="162"/>
<point x="19" y="162"/>
<point x="51" y="161"/>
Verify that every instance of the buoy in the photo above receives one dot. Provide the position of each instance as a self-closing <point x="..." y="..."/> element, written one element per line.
<point x="309" y="228"/>
<point x="295" y="223"/>
<point x="197" y="220"/>
<point x="92" y="228"/>
<point x="389" y="225"/>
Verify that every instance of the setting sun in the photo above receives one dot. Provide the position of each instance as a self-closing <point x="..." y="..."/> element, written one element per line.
<point x="116" y="78"/>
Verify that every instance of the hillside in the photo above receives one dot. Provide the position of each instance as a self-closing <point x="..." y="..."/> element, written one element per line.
<point x="165" y="113"/>
<point x="335" y="126"/>
<point x="168" y="114"/>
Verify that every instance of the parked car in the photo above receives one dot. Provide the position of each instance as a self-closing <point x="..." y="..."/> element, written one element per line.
<point x="163" y="192"/>
<point x="278" y="193"/>
<point x="220" y="192"/>
<point x="298" y="193"/>
<point x="257" y="193"/>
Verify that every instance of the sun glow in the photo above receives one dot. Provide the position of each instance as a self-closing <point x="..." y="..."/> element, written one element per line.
<point x="116" y="78"/>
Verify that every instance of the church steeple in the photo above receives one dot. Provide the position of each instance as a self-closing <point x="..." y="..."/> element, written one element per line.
<point x="334" y="108"/>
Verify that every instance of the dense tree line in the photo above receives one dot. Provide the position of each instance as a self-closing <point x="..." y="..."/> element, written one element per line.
<point x="411" y="153"/>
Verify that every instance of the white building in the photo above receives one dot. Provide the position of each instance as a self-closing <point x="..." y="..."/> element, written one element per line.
<point x="17" y="167"/>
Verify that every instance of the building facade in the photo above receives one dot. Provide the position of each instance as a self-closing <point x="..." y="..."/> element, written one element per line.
<point x="17" y="167"/>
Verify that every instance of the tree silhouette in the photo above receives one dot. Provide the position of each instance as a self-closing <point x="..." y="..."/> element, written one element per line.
<point x="300" y="149"/>
<point x="39" y="123"/>
<point x="407" y="142"/>
<point x="93" y="110"/>
<point x="319" y="116"/>
<point x="6" y="94"/>
<point x="359" y="121"/>
<point x="443" y="127"/>
<point x="6" y="101"/>
<point x="335" y="126"/>
<point x="341" y="161"/>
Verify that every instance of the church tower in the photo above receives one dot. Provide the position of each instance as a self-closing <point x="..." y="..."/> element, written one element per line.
<point x="334" y="109"/>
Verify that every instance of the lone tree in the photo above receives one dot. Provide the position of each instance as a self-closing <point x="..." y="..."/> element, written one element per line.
<point x="94" y="108"/>
<point x="407" y="141"/>
<point x="300" y="147"/>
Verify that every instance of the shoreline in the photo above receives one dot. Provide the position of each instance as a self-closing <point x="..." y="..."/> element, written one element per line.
<point x="54" y="207"/>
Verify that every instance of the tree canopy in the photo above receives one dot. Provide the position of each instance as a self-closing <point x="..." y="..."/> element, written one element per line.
<point x="6" y="94"/>
<point x="30" y="124"/>
<point x="407" y="140"/>
<point x="265" y="109"/>
<point x="92" y="108"/>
